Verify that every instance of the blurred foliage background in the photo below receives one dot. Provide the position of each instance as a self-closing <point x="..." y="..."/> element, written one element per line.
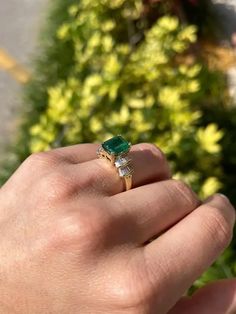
<point x="140" y="69"/>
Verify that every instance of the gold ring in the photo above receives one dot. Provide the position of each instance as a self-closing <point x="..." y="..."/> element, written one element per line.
<point x="116" y="150"/>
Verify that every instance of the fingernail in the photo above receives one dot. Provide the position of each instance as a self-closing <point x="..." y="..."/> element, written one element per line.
<point x="213" y="196"/>
<point x="224" y="196"/>
<point x="223" y="203"/>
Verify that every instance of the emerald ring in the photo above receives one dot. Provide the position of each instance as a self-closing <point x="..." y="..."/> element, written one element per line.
<point x="116" y="150"/>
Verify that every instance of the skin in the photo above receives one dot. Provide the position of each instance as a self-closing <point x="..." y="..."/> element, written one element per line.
<point x="72" y="241"/>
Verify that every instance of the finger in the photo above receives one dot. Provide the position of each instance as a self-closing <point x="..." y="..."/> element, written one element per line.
<point x="218" y="297"/>
<point x="48" y="161"/>
<point x="141" y="154"/>
<point x="149" y="165"/>
<point x="77" y="153"/>
<point x="178" y="257"/>
<point x="156" y="207"/>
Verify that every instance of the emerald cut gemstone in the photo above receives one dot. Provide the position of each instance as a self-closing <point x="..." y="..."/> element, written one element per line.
<point x="116" y="146"/>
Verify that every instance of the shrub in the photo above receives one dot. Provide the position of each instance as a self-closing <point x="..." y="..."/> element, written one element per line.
<point x="127" y="80"/>
<point x="109" y="71"/>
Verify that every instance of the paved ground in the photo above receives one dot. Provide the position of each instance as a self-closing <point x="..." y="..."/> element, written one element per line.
<point x="19" y="25"/>
<point x="226" y="11"/>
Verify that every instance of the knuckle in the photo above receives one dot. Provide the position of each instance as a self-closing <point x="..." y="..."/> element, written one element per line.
<point x="154" y="150"/>
<point x="42" y="158"/>
<point x="99" y="173"/>
<point x="133" y="293"/>
<point x="218" y="226"/>
<point x="88" y="181"/>
<point x="65" y="234"/>
<point x="56" y="187"/>
<point x="159" y="155"/>
<point x="73" y="230"/>
<point x="88" y="229"/>
<point x="183" y="190"/>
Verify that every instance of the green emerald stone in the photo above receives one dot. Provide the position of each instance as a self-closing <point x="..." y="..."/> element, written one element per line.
<point x="116" y="145"/>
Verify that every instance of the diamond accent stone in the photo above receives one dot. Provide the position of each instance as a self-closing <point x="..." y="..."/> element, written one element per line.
<point x="122" y="161"/>
<point x="99" y="151"/>
<point x="125" y="171"/>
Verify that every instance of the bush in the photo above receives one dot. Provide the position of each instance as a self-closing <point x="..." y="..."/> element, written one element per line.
<point x="126" y="79"/>
<point x="107" y="70"/>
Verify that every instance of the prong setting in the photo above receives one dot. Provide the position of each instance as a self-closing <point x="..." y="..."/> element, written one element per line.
<point x="116" y="152"/>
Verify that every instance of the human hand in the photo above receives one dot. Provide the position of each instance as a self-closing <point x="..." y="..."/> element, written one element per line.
<point x="72" y="242"/>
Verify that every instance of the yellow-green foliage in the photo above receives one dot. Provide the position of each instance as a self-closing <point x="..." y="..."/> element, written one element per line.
<point x="127" y="80"/>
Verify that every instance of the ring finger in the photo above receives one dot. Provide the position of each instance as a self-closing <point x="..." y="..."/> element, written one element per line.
<point x="149" y="163"/>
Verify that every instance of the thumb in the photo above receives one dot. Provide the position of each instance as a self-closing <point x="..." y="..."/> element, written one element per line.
<point x="218" y="297"/>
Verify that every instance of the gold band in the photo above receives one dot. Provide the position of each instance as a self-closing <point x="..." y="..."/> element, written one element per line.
<point x="128" y="182"/>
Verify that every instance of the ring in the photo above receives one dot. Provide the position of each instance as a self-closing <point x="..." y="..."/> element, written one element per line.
<point x="116" y="150"/>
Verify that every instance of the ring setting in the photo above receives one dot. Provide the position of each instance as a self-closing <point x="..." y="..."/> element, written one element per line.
<point x="116" y="151"/>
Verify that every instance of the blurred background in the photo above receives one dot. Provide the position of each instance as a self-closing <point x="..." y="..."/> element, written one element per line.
<point x="19" y="27"/>
<point x="157" y="71"/>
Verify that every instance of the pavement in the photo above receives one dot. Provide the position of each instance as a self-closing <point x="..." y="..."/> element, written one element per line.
<point x="20" y="21"/>
<point x="226" y="11"/>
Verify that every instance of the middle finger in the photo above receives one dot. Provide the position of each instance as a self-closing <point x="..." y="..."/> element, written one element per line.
<point x="156" y="207"/>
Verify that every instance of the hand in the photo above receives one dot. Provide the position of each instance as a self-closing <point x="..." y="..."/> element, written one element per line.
<point x="72" y="242"/>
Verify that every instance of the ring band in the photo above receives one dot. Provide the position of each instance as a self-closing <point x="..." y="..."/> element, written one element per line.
<point x="116" y="150"/>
